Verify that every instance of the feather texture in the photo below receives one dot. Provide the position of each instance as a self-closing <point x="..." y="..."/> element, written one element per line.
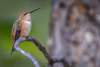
<point x="15" y="33"/>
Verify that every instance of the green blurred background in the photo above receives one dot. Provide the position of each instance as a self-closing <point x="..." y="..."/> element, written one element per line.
<point x="9" y="10"/>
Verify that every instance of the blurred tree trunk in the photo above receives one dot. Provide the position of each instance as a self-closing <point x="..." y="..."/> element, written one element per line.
<point x="75" y="32"/>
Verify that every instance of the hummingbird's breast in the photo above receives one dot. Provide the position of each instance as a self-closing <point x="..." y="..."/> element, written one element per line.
<point x="25" y="28"/>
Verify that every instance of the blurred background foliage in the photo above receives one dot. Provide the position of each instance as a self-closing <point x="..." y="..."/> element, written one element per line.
<point x="9" y="10"/>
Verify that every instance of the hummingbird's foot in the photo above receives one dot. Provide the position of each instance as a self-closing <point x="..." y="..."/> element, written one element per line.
<point x="26" y="37"/>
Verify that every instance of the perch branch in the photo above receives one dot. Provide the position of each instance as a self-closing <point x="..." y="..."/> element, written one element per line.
<point x="35" y="62"/>
<point x="39" y="46"/>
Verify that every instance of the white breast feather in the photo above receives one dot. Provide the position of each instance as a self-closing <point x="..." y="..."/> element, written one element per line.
<point x="28" y="28"/>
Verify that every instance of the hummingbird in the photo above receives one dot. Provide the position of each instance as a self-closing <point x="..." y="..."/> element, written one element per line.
<point x="22" y="26"/>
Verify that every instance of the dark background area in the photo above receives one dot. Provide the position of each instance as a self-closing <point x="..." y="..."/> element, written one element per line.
<point x="9" y="10"/>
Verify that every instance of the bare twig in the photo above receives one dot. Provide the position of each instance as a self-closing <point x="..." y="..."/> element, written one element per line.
<point x="35" y="62"/>
<point x="40" y="47"/>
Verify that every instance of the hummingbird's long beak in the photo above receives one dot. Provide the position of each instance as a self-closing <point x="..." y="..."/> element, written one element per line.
<point x="34" y="10"/>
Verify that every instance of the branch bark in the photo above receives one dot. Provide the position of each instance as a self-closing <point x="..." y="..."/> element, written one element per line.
<point x="75" y="32"/>
<point x="40" y="47"/>
<point x="16" y="47"/>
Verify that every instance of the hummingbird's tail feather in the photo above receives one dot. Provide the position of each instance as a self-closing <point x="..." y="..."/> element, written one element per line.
<point x="12" y="52"/>
<point x="12" y="49"/>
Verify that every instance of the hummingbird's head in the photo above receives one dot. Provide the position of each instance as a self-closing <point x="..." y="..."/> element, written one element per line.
<point x="26" y="16"/>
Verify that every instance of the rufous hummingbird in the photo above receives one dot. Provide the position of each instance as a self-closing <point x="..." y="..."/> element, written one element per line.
<point x="21" y="27"/>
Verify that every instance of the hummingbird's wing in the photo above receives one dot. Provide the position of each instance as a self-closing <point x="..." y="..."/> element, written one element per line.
<point x="15" y="32"/>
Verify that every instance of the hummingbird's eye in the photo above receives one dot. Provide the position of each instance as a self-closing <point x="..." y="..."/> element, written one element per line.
<point x="25" y="14"/>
